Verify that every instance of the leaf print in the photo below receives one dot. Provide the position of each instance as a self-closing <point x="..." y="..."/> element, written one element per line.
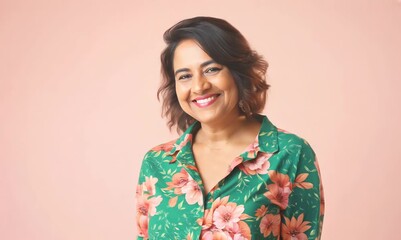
<point x="173" y="201"/>
<point x="255" y="200"/>
<point x="192" y="168"/>
<point x="299" y="181"/>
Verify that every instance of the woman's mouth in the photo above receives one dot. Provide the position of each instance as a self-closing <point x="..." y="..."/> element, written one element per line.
<point x="205" y="101"/>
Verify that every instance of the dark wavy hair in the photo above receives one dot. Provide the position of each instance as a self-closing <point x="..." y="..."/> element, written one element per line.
<point x="225" y="45"/>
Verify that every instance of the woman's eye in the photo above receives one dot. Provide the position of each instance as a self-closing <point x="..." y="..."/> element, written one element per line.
<point x="212" y="70"/>
<point x="185" y="76"/>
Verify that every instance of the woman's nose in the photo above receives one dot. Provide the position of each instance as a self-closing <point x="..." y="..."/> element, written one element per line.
<point x="200" y="83"/>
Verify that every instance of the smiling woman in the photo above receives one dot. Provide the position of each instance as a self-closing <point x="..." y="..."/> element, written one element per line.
<point x="232" y="174"/>
<point x="205" y="89"/>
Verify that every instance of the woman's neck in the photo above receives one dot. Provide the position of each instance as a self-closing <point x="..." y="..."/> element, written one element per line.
<point x="225" y="133"/>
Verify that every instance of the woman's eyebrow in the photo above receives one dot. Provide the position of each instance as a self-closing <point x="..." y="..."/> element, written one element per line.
<point x="207" y="63"/>
<point x="204" y="64"/>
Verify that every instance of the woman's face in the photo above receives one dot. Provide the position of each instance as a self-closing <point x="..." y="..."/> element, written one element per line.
<point x="205" y="89"/>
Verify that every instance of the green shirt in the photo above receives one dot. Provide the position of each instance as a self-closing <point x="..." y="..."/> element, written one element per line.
<point x="271" y="190"/>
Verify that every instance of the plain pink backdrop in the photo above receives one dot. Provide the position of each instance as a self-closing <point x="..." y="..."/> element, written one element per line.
<point x="78" y="106"/>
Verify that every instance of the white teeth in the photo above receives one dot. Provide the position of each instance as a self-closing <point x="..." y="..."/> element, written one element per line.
<point x="206" y="100"/>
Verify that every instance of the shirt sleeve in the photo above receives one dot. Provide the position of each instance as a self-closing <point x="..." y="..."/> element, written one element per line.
<point x="141" y="215"/>
<point x="303" y="217"/>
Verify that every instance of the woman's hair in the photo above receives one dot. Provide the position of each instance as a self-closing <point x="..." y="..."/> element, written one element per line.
<point x="225" y="45"/>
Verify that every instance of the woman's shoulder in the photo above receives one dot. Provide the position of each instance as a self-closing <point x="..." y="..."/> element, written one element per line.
<point x="159" y="152"/>
<point x="288" y="139"/>
<point x="164" y="147"/>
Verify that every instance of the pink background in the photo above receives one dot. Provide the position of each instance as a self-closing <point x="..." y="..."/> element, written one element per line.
<point x="78" y="106"/>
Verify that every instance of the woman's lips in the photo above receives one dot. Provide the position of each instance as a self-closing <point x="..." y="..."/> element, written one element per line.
<point x="206" y="101"/>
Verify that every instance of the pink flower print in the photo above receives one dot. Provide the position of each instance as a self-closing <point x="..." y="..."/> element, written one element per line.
<point x="139" y="190"/>
<point x="234" y="163"/>
<point x="142" y="224"/>
<point x="179" y="180"/>
<point x="253" y="149"/>
<point x="270" y="224"/>
<point x="187" y="138"/>
<point x="215" y="234"/>
<point x="193" y="193"/>
<point x="145" y="207"/>
<point x="240" y="231"/>
<point x="166" y="147"/>
<point x="149" y="184"/>
<point x="227" y="215"/>
<point x="153" y="203"/>
<point x="282" y="130"/>
<point x="259" y="165"/>
<point x="207" y="221"/>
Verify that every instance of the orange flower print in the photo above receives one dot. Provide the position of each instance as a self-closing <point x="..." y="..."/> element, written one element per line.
<point x="320" y="189"/>
<point x="270" y="224"/>
<point x="294" y="229"/>
<point x="321" y="201"/>
<point x="278" y="195"/>
<point x="260" y="212"/>
<point x="179" y="180"/>
<point x="166" y="147"/>
<point x="173" y="201"/>
<point x="193" y="193"/>
<point x="259" y="165"/>
<point x="282" y="180"/>
<point x="279" y="192"/>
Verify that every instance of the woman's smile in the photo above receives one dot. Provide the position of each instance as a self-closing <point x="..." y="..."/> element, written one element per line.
<point x="206" y="100"/>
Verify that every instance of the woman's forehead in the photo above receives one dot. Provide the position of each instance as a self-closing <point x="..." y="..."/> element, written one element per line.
<point x="188" y="54"/>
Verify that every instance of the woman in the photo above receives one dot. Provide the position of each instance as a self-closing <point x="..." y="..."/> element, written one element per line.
<point x="232" y="174"/>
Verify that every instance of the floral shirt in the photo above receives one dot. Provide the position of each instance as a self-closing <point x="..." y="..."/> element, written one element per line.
<point x="271" y="191"/>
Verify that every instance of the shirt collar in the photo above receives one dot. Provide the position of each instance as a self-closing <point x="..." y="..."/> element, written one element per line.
<point x="268" y="136"/>
<point x="184" y="143"/>
<point x="266" y="141"/>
